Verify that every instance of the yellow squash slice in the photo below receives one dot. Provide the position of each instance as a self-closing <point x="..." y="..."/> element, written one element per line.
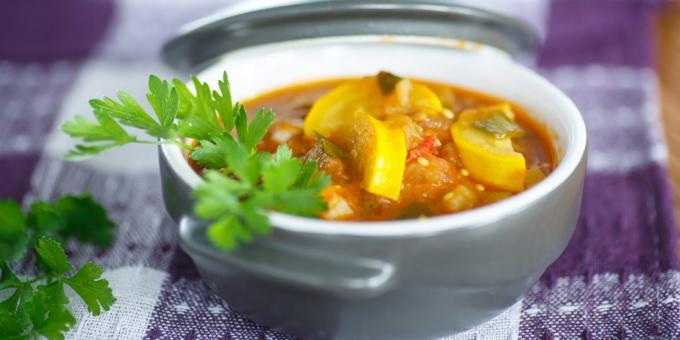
<point x="490" y="160"/>
<point x="379" y="151"/>
<point x="424" y="99"/>
<point x="411" y="97"/>
<point x="335" y="111"/>
<point x="338" y="108"/>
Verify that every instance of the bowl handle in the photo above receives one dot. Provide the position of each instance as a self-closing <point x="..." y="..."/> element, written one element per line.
<point x="341" y="274"/>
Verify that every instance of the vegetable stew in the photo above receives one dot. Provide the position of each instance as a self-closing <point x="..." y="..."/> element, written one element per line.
<point x="400" y="148"/>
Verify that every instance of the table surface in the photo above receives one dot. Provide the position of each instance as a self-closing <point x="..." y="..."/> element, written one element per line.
<point x="668" y="42"/>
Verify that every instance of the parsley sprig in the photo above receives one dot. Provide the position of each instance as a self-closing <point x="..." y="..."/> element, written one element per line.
<point x="190" y="117"/>
<point x="241" y="184"/>
<point x="37" y="306"/>
<point x="236" y="208"/>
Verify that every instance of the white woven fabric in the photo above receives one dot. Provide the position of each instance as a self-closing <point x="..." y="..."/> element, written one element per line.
<point x="136" y="290"/>
<point x="502" y="327"/>
<point x="627" y="93"/>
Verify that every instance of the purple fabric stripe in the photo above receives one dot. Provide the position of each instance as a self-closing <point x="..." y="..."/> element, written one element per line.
<point x="16" y="175"/>
<point x="610" y="32"/>
<point x="35" y="32"/>
<point x="46" y="30"/>
<point x="626" y="229"/>
<point x="30" y="97"/>
<point x="626" y="226"/>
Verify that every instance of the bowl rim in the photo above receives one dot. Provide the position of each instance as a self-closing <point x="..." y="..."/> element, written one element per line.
<point x="325" y="19"/>
<point x="574" y="154"/>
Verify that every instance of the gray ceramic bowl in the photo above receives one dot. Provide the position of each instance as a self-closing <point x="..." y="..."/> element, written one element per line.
<point x="409" y="279"/>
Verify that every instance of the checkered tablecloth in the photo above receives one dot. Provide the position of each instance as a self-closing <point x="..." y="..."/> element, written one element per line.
<point x="618" y="278"/>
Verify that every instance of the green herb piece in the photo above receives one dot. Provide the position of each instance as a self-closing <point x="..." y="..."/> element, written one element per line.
<point x="241" y="184"/>
<point x="48" y="313"/>
<point x="13" y="315"/>
<point x="329" y="147"/>
<point x="236" y="204"/>
<point x="236" y="199"/>
<point x="179" y="114"/>
<point x="45" y="218"/>
<point x="164" y="100"/>
<point x="387" y="82"/>
<point x="72" y="216"/>
<point x="209" y="153"/>
<point x="196" y="116"/>
<point x="94" y="291"/>
<point x="52" y="254"/>
<point x="106" y="132"/>
<point x="85" y="220"/>
<point x="7" y="278"/>
<point x="37" y="306"/>
<point x="498" y="124"/>
<point x="13" y="238"/>
<point x="249" y="135"/>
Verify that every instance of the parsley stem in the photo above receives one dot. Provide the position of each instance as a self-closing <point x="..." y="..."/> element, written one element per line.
<point x="167" y="141"/>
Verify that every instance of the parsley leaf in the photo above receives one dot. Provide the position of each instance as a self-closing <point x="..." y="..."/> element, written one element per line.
<point x="210" y="153"/>
<point x="224" y="104"/>
<point x="85" y="220"/>
<point x="37" y="306"/>
<point x="11" y="217"/>
<point x="128" y="112"/>
<point x="240" y="162"/>
<point x="53" y="255"/>
<point x="13" y="238"/>
<point x="236" y="209"/>
<point x="179" y="114"/>
<point x="227" y="232"/>
<point x="91" y="288"/>
<point x="311" y="178"/>
<point x="241" y="184"/>
<point x="48" y="313"/>
<point x="44" y="218"/>
<point x="164" y="101"/>
<point x="305" y="202"/>
<point x="13" y="325"/>
<point x="104" y="130"/>
<point x="251" y="135"/>
<point x="196" y="113"/>
<point x="282" y="172"/>
<point x="219" y="198"/>
<point x="76" y="216"/>
<point x="7" y="277"/>
<point x="13" y="315"/>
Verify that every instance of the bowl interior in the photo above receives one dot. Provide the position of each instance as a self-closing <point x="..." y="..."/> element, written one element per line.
<point x="259" y="69"/>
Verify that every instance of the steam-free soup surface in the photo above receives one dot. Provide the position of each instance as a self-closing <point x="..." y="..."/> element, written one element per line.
<point x="401" y="148"/>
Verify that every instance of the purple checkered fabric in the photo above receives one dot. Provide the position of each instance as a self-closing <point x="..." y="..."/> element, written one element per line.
<point x="618" y="278"/>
